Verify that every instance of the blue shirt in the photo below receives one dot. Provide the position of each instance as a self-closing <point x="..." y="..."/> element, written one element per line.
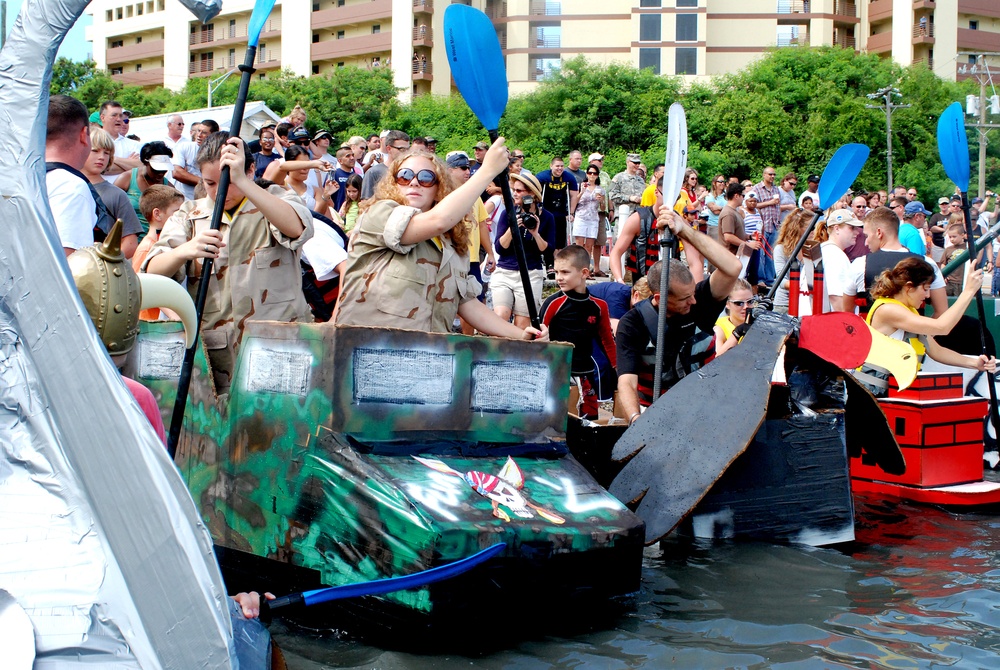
<point x="911" y="238"/>
<point x="618" y="296"/>
<point x="555" y="191"/>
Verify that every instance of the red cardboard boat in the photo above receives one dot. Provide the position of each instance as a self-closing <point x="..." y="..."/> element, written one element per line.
<point x="940" y="433"/>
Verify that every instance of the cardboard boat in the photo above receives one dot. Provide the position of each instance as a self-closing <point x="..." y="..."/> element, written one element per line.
<point x="940" y="432"/>
<point x="345" y="454"/>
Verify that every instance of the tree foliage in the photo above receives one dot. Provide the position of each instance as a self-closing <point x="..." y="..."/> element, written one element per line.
<point x="790" y="109"/>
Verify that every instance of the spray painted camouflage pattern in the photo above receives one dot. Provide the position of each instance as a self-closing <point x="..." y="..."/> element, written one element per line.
<point x="310" y="461"/>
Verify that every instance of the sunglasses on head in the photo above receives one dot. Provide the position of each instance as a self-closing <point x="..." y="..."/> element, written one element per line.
<point x="424" y="177"/>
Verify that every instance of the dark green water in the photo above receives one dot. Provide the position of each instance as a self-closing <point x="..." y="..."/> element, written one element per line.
<point x="920" y="588"/>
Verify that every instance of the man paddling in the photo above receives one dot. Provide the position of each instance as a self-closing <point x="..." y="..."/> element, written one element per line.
<point x="691" y="313"/>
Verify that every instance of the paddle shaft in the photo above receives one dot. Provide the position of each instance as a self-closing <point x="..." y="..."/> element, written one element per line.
<point x="970" y="234"/>
<point x="795" y="254"/>
<point x="184" y="382"/>
<point x="666" y="238"/>
<point x="503" y="181"/>
<point x="963" y="257"/>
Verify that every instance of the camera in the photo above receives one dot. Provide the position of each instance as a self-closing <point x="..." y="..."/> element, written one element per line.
<point x="527" y="202"/>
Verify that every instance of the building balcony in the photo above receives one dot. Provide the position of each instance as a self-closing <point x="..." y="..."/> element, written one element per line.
<point x="789" y="41"/>
<point x="545" y="8"/>
<point x="423" y="36"/>
<point x="352" y="46"/>
<point x="924" y="4"/>
<point x="845" y="8"/>
<point x="423" y="6"/>
<point x="927" y="62"/>
<point x="496" y="10"/>
<point x="268" y="59"/>
<point x="546" y="42"/>
<point x="879" y="10"/>
<point x="134" y="52"/>
<point x="794" y="6"/>
<point x="989" y="8"/>
<point x="978" y="40"/>
<point x="880" y="43"/>
<point x="844" y="41"/>
<point x="422" y="71"/>
<point x="151" y="77"/>
<point x="230" y="35"/>
<point x="350" y="14"/>
<point x="923" y="34"/>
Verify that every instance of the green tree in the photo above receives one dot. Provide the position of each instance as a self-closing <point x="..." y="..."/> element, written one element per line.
<point x="69" y="75"/>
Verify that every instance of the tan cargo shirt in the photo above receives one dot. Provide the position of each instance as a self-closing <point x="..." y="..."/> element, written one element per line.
<point x="387" y="283"/>
<point x="257" y="273"/>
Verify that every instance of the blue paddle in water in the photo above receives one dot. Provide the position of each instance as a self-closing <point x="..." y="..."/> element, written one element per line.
<point x="261" y="10"/>
<point x="953" y="146"/>
<point x="379" y="586"/>
<point x="481" y="77"/>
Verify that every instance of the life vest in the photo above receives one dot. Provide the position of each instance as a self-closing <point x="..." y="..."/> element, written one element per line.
<point x="645" y="248"/>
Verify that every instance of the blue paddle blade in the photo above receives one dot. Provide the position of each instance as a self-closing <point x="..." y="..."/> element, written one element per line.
<point x="261" y="10"/>
<point x="476" y="62"/>
<point x="953" y="145"/>
<point x="840" y="173"/>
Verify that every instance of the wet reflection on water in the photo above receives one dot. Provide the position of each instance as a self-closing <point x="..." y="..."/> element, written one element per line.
<point x="920" y="588"/>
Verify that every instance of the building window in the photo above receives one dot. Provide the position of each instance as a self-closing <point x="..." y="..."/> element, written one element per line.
<point x="973" y="25"/>
<point x="340" y="3"/>
<point x="685" y="60"/>
<point x="138" y="67"/>
<point x="340" y="64"/>
<point x="159" y="5"/>
<point x="340" y="34"/>
<point x="972" y="60"/>
<point x="649" y="27"/>
<point x="315" y="6"/>
<point x="649" y="58"/>
<point x="651" y="3"/>
<point x="315" y="38"/>
<point x="138" y="40"/>
<point x="109" y="15"/>
<point x="548" y="37"/>
<point x="149" y="7"/>
<point x="687" y="28"/>
<point x="128" y="11"/>
<point x="687" y="3"/>
<point x="118" y="13"/>
<point x="138" y="9"/>
<point x="376" y="29"/>
<point x="315" y="69"/>
<point x="116" y="70"/>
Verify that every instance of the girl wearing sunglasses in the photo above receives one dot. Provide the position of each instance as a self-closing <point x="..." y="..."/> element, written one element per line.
<point x="738" y="304"/>
<point x="408" y="260"/>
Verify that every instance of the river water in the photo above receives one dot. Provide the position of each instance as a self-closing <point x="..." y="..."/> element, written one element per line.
<point x="919" y="588"/>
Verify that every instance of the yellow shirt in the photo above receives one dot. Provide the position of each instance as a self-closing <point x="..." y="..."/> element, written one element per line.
<point x="648" y="196"/>
<point x="478" y="216"/>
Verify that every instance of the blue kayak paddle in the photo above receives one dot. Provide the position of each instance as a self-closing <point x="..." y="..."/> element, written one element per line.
<point x="953" y="146"/>
<point x="261" y="10"/>
<point x="379" y="586"/>
<point x="479" y="72"/>
<point x="843" y="168"/>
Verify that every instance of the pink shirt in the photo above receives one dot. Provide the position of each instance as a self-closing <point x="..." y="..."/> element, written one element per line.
<point x="147" y="403"/>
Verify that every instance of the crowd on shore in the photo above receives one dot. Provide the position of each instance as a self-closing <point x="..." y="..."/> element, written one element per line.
<point x="382" y="231"/>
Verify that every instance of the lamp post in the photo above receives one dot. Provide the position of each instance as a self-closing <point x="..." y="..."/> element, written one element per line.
<point x="887" y="94"/>
<point x="214" y="84"/>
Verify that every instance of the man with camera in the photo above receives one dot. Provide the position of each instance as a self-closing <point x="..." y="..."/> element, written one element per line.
<point x="537" y="230"/>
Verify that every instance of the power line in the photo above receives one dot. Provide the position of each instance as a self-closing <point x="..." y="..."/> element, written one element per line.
<point x="887" y="106"/>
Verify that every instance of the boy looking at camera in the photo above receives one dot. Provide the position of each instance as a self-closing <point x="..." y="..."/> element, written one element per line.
<point x="575" y="316"/>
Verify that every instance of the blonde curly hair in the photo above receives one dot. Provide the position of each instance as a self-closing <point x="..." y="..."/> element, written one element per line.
<point x="387" y="189"/>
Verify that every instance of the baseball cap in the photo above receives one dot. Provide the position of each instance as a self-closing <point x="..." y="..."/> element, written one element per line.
<point x="595" y="157"/>
<point x="943" y="201"/>
<point x="457" y="159"/>
<point x="323" y="134"/>
<point x="481" y="145"/>
<point x="813" y="179"/>
<point x="843" y="216"/>
<point x="95" y="118"/>
<point x="127" y="113"/>
<point x="161" y="163"/>
<point x="430" y="140"/>
<point x="634" y="158"/>
<point x="691" y="210"/>
<point x="299" y="134"/>
<point x="752" y="194"/>
<point x="915" y="207"/>
<point x="956" y="198"/>
<point x="976" y="201"/>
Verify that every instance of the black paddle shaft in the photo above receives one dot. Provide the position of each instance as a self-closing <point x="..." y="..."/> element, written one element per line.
<point x="666" y="239"/>
<point x="503" y="181"/>
<point x="184" y="382"/>
<point x="970" y="233"/>
<point x="795" y="254"/>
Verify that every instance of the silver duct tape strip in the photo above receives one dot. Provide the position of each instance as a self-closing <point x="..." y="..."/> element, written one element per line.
<point x="403" y="377"/>
<point x="274" y="371"/>
<point x="505" y="387"/>
<point x="74" y="438"/>
<point x="205" y="10"/>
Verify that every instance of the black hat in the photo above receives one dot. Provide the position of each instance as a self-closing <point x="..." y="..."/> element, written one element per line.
<point x="813" y="179"/>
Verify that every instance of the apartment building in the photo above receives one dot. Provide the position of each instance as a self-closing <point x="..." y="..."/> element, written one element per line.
<point x="944" y="35"/>
<point x="154" y="42"/>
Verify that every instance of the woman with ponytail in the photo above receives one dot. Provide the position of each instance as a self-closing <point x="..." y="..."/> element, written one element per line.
<point x="898" y="293"/>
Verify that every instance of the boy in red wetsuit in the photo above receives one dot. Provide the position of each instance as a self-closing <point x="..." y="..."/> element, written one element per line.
<point x="575" y="316"/>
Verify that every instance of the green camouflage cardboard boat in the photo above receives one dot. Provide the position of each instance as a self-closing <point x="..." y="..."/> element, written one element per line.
<point x="345" y="454"/>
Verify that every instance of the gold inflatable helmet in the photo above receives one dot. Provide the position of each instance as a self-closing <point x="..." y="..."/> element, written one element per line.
<point x="114" y="294"/>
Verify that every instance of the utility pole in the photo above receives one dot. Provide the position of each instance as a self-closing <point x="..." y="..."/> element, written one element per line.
<point x="887" y="106"/>
<point x="981" y="70"/>
<point x="3" y="23"/>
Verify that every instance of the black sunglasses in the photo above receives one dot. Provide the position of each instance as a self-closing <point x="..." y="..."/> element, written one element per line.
<point x="741" y="303"/>
<point x="424" y="177"/>
<point x="589" y="172"/>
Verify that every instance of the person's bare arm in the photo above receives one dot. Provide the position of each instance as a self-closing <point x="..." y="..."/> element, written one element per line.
<point x="628" y="395"/>
<point x="184" y="177"/>
<point x="485" y="320"/>
<point x="124" y="180"/>
<point x="728" y="267"/>
<point x="278" y="212"/>
<point x="628" y="232"/>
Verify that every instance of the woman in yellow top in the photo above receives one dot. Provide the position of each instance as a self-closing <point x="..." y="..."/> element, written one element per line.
<point x="738" y="305"/>
<point x="898" y="293"/>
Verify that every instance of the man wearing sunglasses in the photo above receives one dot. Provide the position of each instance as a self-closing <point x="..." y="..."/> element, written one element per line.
<point x="396" y="144"/>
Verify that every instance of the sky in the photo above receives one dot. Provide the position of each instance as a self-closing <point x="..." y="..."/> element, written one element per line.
<point x="74" y="47"/>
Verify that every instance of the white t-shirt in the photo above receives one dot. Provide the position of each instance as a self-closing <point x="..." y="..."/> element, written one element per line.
<point x="184" y="157"/>
<point x="73" y="208"/>
<point x="835" y="269"/>
<point x="172" y="145"/>
<point x="814" y="196"/>
<point x="124" y="148"/>
<point x="324" y="251"/>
